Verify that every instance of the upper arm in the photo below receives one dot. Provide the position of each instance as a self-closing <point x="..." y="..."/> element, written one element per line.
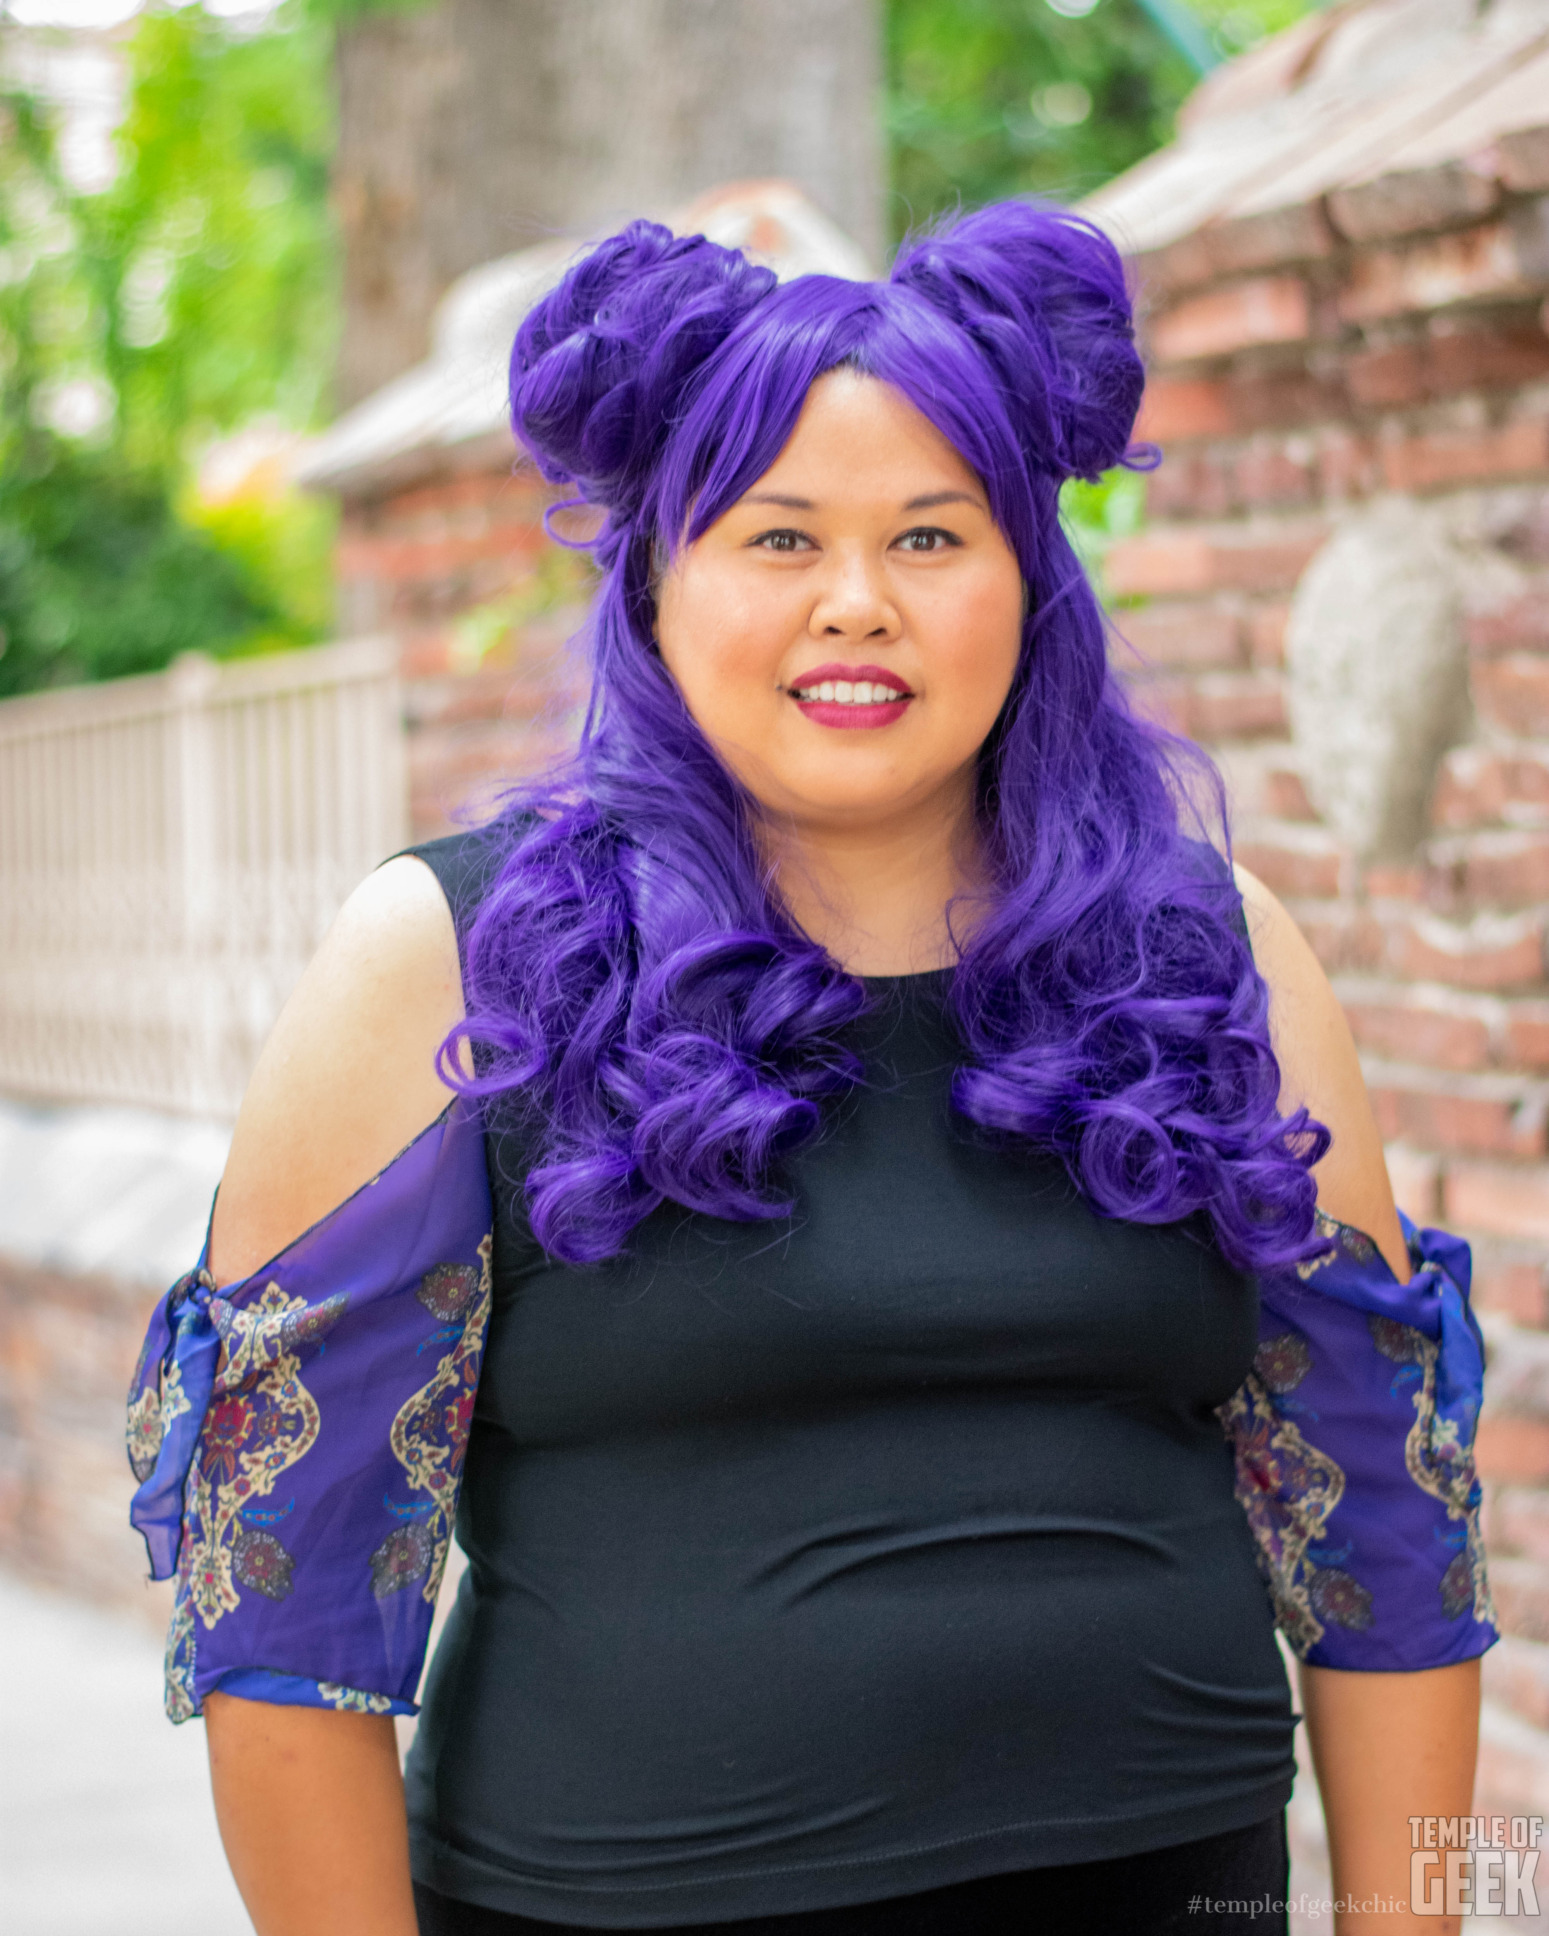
<point x="1319" y="1067"/>
<point x="347" y="1078"/>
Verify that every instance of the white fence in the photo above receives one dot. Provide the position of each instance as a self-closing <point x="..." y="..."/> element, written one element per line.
<point x="171" y="850"/>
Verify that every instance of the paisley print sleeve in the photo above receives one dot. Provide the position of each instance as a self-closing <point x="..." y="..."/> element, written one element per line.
<point x="298" y="1440"/>
<point x="1354" y="1446"/>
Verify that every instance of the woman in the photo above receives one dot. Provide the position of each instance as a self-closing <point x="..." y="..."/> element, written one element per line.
<point x="885" y="1151"/>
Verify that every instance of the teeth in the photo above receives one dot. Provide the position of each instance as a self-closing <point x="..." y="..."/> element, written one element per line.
<point x="844" y="692"/>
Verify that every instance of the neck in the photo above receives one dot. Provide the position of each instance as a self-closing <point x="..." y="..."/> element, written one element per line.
<point x="875" y="895"/>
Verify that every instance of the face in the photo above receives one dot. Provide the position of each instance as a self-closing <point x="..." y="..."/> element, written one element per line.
<point x="846" y="634"/>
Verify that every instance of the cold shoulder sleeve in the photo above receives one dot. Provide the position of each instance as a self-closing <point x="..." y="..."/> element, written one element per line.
<point x="1354" y="1446"/>
<point x="298" y="1440"/>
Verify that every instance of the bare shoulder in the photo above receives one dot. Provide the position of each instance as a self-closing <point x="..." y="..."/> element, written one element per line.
<point x="1319" y="1067"/>
<point x="348" y="1076"/>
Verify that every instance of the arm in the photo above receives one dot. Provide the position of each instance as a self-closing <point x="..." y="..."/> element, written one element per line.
<point x="1385" y="1745"/>
<point x="310" y="1802"/>
<point x="310" y="1806"/>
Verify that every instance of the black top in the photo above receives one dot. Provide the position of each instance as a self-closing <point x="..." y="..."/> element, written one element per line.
<point x="818" y="1561"/>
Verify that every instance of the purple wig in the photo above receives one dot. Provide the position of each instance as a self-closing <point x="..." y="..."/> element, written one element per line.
<point x="635" y="987"/>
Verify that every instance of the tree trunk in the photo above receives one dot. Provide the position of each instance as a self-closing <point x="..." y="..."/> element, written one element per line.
<point x="471" y="128"/>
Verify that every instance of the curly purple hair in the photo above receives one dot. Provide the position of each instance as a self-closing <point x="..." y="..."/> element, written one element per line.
<point x="635" y="987"/>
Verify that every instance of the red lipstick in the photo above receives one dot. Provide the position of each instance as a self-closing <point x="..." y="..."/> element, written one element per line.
<point x="841" y="708"/>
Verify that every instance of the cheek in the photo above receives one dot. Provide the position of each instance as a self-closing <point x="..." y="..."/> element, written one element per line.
<point x="978" y="641"/>
<point x="721" y="645"/>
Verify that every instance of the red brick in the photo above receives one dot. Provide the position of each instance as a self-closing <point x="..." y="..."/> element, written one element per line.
<point x="1504" y="952"/>
<point x="1511" y="1776"/>
<point x="1237" y="246"/>
<point x="1518" y="624"/>
<point x="1177" y="408"/>
<point x="1348" y="463"/>
<point x="1269" y="309"/>
<point x="1477" y="785"/>
<point x="1287" y="399"/>
<point x="1479" y="1116"/>
<point x="1241" y="705"/>
<point x="1504" y="867"/>
<point x="1476" y="265"/>
<point x="517" y="484"/>
<point x="1485" y="359"/>
<point x="1187" y="409"/>
<point x="1513" y="693"/>
<point x="1285" y="795"/>
<point x="1527" y="1035"/>
<point x="1516" y="1522"/>
<point x="1268" y="475"/>
<point x="1412" y="201"/>
<point x="1520" y="1587"/>
<point x="1346" y="938"/>
<point x="1523" y="160"/>
<point x="1392" y="881"/>
<point x="1516" y="1679"/>
<point x="1416" y="1179"/>
<point x="1469" y="789"/>
<point x="1192" y="484"/>
<point x="1511" y="1285"/>
<point x="1439" y="1030"/>
<point x="1299" y="233"/>
<point x="1445" y="459"/>
<point x="1161" y="563"/>
<point x="1501" y="1199"/>
<point x="1163" y="699"/>
<point x="1386" y="379"/>
<point x="1524" y="531"/>
<point x="1300" y="862"/>
<point x="1266" y="633"/>
<point x="440" y="556"/>
<point x="1183" y="635"/>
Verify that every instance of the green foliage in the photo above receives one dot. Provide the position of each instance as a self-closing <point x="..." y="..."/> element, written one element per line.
<point x="99" y="578"/>
<point x="987" y="98"/>
<point x="212" y="252"/>
<point x="194" y="293"/>
<point x="1097" y="515"/>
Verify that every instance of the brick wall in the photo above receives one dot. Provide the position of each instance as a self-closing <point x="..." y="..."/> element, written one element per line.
<point x="68" y="1344"/>
<point x="1391" y="339"/>
<point x="460" y="572"/>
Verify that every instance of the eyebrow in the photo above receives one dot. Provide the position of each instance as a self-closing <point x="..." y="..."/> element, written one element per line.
<point x="928" y="502"/>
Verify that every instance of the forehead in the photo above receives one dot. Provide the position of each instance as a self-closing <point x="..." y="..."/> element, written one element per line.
<point x="857" y="436"/>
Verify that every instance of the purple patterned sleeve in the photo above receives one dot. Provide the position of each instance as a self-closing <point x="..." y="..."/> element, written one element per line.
<point x="298" y="1439"/>
<point x="1354" y="1438"/>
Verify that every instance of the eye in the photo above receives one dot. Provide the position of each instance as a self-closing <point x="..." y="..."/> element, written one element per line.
<point x="927" y="538"/>
<point x="784" y="540"/>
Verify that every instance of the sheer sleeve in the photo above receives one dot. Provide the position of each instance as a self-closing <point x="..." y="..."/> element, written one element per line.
<point x="298" y="1440"/>
<point x="1354" y="1438"/>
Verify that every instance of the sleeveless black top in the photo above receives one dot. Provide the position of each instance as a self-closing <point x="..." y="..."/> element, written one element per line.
<point x="824" y="1560"/>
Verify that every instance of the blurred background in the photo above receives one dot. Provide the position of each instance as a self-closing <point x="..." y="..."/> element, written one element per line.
<point x="275" y="598"/>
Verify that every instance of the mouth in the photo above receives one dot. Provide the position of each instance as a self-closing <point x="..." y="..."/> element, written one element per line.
<point x="850" y="696"/>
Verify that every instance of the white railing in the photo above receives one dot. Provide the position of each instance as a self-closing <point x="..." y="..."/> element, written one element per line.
<point x="172" y="849"/>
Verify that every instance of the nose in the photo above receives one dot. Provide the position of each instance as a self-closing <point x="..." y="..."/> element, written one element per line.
<point x="853" y="600"/>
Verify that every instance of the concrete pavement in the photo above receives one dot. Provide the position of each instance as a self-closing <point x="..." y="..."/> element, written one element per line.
<point x="106" y="1825"/>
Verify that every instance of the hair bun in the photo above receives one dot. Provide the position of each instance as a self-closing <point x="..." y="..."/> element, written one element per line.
<point x="1042" y="292"/>
<point x="601" y="363"/>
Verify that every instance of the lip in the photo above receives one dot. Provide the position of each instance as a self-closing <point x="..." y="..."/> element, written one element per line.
<point x="829" y="712"/>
